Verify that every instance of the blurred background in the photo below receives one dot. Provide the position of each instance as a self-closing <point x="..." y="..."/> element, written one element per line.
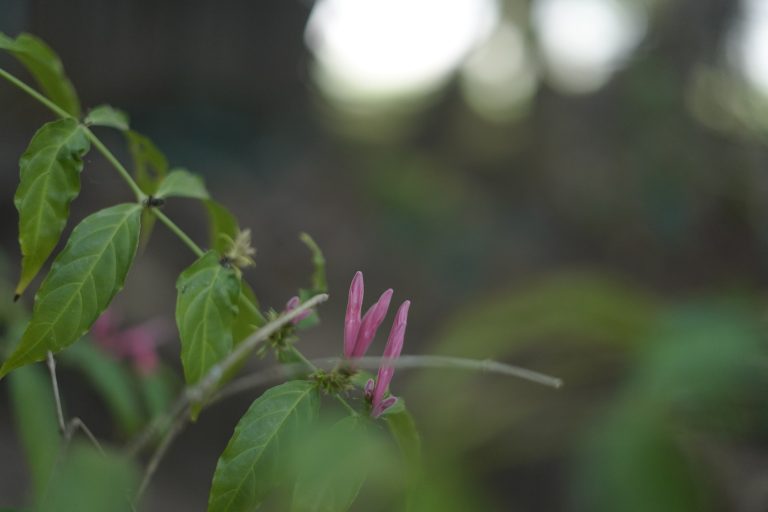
<point x="575" y="186"/>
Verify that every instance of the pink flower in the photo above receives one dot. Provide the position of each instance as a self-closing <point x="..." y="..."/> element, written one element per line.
<point x="137" y="343"/>
<point x="359" y="333"/>
<point x="375" y="391"/>
<point x="292" y="304"/>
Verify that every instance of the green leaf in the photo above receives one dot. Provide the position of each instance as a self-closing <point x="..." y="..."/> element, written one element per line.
<point x="319" y="282"/>
<point x="332" y="465"/>
<point x="223" y="226"/>
<point x="110" y="379"/>
<point x="36" y="423"/>
<point x="149" y="163"/>
<point x="403" y="429"/>
<point x="106" y="115"/>
<point x="43" y="63"/>
<point x="206" y="305"/>
<point x="249" y="317"/>
<point x="50" y="180"/>
<point x="248" y="469"/>
<point x="182" y="183"/>
<point x="158" y="390"/>
<point x="89" y="481"/>
<point x="84" y="278"/>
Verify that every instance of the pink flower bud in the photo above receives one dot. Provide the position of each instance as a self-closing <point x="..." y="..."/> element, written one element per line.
<point x="292" y="304"/>
<point x="352" y="318"/>
<point x="370" y="324"/>
<point x="391" y="353"/>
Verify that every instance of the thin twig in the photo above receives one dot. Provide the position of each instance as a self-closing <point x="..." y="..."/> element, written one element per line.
<point x="406" y="361"/>
<point x="75" y="424"/>
<point x="51" y="363"/>
<point x="159" y="453"/>
<point x="67" y="430"/>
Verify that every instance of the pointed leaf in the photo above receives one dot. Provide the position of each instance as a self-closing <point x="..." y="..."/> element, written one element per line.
<point x="43" y="63"/>
<point x="106" y="115"/>
<point x="206" y="304"/>
<point x="50" y="180"/>
<point x="248" y="469"/>
<point x="84" y="278"/>
<point x="182" y="183"/>
<point x="149" y="163"/>
<point x="36" y="423"/>
<point x="223" y="226"/>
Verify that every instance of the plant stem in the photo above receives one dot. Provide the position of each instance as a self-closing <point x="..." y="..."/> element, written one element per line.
<point x="314" y="368"/>
<point x="405" y="361"/>
<point x="176" y="230"/>
<point x="67" y="430"/>
<point x="51" y="363"/>
<point x="112" y="159"/>
<point x="32" y="92"/>
<point x="162" y="448"/>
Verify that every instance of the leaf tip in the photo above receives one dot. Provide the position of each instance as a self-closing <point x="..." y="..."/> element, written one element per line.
<point x="16" y="297"/>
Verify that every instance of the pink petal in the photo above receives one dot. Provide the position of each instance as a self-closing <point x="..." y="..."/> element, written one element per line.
<point x="391" y="352"/>
<point x="370" y="324"/>
<point x="352" y="317"/>
<point x="369" y="389"/>
<point x="379" y="409"/>
<point x="292" y="304"/>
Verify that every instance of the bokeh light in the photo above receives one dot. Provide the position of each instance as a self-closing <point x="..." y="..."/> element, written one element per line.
<point x="373" y="49"/>
<point x="584" y="41"/>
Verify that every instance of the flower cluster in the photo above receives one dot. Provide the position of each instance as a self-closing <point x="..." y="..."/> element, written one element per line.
<point x="359" y="333"/>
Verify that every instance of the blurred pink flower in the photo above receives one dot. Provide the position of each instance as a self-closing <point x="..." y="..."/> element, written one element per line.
<point x="139" y="343"/>
<point x="359" y="333"/>
<point x="292" y="304"/>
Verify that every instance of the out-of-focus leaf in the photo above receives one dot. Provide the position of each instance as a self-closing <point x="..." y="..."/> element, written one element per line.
<point x="579" y="327"/>
<point x="206" y="305"/>
<point x="691" y="366"/>
<point x="89" y="481"/>
<point x="110" y="379"/>
<point x="319" y="282"/>
<point x="158" y="390"/>
<point x="43" y="63"/>
<point x="149" y="163"/>
<point x="250" y="465"/>
<point x="632" y="463"/>
<point x="84" y="278"/>
<point x="332" y="467"/>
<point x="36" y="423"/>
<point x="50" y="179"/>
<point x="248" y="318"/>
<point x="182" y="183"/>
<point x="223" y="226"/>
<point x="403" y="429"/>
<point x="106" y="115"/>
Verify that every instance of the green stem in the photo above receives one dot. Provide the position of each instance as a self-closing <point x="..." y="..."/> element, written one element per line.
<point x="178" y="232"/>
<point x="301" y="357"/>
<point x="39" y="97"/>
<point x="112" y="159"/>
<point x="94" y="140"/>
